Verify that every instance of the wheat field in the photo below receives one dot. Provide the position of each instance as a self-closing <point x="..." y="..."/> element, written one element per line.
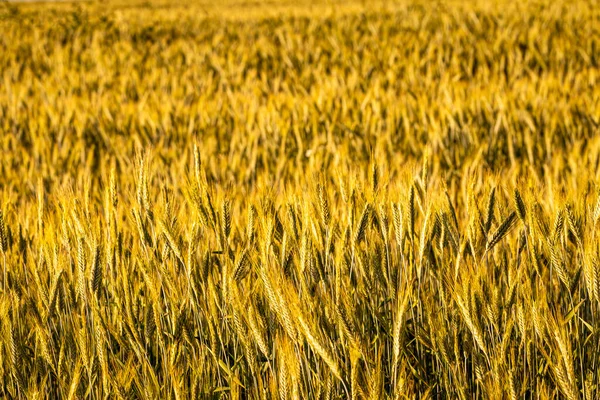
<point x="300" y="200"/>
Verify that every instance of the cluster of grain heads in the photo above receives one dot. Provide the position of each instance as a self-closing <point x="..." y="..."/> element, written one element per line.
<point x="280" y="301"/>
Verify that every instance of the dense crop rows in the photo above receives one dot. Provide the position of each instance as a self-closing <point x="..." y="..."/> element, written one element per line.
<point x="249" y="201"/>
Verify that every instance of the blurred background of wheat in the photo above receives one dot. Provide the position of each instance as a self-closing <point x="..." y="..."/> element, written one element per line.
<point x="300" y="200"/>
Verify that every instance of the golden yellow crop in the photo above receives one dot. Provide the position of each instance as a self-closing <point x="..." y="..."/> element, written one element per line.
<point x="300" y="200"/>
